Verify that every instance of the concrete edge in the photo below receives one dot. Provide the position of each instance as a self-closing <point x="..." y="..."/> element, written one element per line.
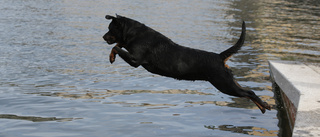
<point x="283" y="81"/>
<point x="301" y="84"/>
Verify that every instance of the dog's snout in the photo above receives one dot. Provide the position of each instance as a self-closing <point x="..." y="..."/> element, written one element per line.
<point x="105" y="36"/>
<point x="109" y="39"/>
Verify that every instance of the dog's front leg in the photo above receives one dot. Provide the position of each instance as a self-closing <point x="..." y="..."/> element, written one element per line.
<point x="113" y="53"/>
<point x="126" y="56"/>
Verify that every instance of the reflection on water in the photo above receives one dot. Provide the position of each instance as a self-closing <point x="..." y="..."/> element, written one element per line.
<point x="110" y="93"/>
<point x="238" y="103"/>
<point x="54" y="67"/>
<point x="294" y="33"/>
<point x="35" y="119"/>
<point x="283" y="29"/>
<point x="98" y="96"/>
<point x="245" y="130"/>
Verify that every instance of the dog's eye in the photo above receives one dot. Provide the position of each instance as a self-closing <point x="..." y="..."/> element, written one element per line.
<point x="114" y="26"/>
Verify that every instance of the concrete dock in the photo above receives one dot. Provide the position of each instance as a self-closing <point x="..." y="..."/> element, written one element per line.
<point x="300" y="84"/>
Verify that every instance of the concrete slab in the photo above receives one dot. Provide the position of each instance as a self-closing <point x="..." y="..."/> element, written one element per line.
<point x="301" y="84"/>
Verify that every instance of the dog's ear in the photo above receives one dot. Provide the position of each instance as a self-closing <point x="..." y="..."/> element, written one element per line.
<point x="109" y="17"/>
<point x="118" y="16"/>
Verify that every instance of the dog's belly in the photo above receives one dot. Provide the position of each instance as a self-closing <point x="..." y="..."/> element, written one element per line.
<point x="174" y="72"/>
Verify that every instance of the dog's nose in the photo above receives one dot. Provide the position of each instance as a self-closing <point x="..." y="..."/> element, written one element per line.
<point x="105" y="37"/>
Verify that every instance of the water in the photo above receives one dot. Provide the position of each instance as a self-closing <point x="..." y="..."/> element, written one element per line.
<point x="56" y="79"/>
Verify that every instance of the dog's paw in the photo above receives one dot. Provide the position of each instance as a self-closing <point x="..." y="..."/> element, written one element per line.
<point x="112" y="56"/>
<point x="267" y="106"/>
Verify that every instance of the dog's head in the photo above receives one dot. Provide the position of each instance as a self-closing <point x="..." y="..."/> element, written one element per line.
<point x="115" y="33"/>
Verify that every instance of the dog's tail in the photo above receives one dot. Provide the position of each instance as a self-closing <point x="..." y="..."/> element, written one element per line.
<point x="225" y="55"/>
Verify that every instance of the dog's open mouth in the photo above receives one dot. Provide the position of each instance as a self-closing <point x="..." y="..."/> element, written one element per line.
<point x="109" y="42"/>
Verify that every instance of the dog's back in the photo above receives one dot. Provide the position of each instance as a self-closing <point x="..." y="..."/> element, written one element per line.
<point x="172" y="60"/>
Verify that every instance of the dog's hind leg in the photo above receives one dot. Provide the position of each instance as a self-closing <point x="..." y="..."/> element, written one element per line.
<point x="226" y="84"/>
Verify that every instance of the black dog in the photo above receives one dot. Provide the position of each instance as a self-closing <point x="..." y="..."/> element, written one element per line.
<point x="158" y="54"/>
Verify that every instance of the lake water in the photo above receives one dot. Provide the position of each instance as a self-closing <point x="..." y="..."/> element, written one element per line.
<point x="56" y="79"/>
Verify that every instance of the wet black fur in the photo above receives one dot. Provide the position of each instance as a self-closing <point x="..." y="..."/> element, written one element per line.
<point x="158" y="54"/>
